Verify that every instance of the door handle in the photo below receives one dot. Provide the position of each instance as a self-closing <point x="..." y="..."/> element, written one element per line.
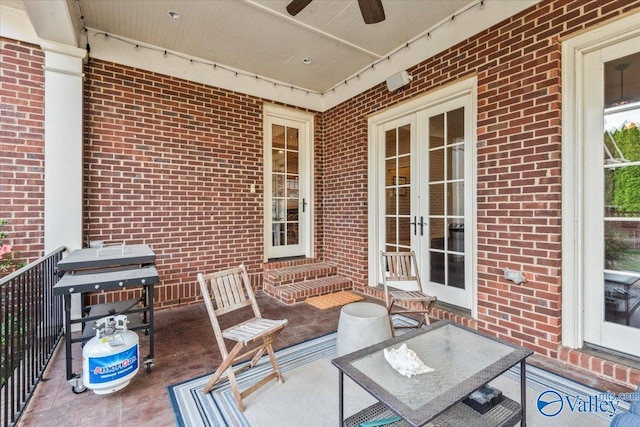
<point x="422" y="224"/>
<point x="304" y="205"/>
<point x="415" y="224"/>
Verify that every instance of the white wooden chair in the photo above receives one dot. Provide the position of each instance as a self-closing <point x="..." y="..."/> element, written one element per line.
<point x="231" y="290"/>
<point x="402" y="267"/>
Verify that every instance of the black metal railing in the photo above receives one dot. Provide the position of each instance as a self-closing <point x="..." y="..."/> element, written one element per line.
<point x="32" y="325"/>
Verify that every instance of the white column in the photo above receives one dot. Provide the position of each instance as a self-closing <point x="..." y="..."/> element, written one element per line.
<point x="63" y="176"/>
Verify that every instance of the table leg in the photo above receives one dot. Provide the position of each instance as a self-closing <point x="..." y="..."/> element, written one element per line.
<point x="150" y="310"/>
<point x="523" y="392"/>
<point x="340" y="398"/>
<point x="67" y="335"/>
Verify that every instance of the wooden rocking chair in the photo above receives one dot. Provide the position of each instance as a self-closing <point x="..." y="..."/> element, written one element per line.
<point x="231" y="290"/>
<point x="402" y="267"/>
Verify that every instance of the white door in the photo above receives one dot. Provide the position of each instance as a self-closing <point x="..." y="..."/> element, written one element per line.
<point x="424" y="167"/>
<point x="445" y="224"/>
<point x="611" y="197"/>
<point x="287" y="187"/>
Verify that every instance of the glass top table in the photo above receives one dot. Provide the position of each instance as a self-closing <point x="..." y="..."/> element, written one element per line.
<point x="464" y="360"/>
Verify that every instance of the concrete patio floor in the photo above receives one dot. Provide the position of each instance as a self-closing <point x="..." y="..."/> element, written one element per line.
<point x="185" y="348"/>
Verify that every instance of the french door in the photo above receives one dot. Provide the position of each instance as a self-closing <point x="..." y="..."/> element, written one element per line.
<point x="444" y="196"/>
<point x="423" y="173"/>
<point x="288" y="204"/>
<point x="611" y="196"/>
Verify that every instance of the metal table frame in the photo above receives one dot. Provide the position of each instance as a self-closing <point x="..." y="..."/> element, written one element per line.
<point x="89" y="270"/>
<point x="437" y="408"/>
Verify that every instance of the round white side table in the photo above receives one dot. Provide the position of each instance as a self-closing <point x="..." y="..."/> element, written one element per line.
<point x="361" y="324"/>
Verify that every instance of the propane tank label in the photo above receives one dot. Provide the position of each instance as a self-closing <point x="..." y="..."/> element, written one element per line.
<point x="109" y="368"/>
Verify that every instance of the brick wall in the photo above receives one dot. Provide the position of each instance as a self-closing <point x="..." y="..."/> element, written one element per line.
<point x="169" y="163"/>
<point x="22" y="147"/>
<point x="518" y="67"/>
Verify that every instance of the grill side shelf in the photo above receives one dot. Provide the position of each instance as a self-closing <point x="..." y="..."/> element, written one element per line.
<point x="96" y="258"/>
<point x="80" y="283"/>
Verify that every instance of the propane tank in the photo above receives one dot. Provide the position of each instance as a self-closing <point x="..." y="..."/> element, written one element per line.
<point x="110" y="359"/>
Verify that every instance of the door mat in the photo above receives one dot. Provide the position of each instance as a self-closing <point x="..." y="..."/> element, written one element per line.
<point x="333" y="300"/>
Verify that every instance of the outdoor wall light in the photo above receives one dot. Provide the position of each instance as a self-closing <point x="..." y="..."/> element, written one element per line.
<point x="516" y="277"/>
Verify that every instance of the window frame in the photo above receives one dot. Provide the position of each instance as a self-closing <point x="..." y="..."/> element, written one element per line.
<point x="573" y="124"/>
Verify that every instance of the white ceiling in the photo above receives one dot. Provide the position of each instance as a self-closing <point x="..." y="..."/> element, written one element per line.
<point x="259" y="37"/>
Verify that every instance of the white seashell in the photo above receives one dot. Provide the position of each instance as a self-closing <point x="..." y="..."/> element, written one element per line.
<point x="406" y="361"/>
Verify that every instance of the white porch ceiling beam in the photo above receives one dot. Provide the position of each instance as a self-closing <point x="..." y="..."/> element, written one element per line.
<point x="315" y="30"/>
<point x="55" y="20"/>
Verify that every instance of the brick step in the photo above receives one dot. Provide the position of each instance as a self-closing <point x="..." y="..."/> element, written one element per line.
<point x="298" y="273"/>
<point x="377" y="292"/>
<point x="274" y="265"/>
<point x="299" y="291"/>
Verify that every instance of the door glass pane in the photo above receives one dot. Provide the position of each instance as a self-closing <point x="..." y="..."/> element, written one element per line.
<point x="437" y="267"/>
<point x="392" y="235"/>
<point x="455" y="198"/>
<point x="277" y="135"/>
<point x="278" y="185"/>
<point x="436" y="165"/>
<point x="277" y="160"/>
<point x="278" y="234"/>
<point x="455" y="162"/>
<point x="455" y="126"/>
<point x="437" y="252"/>
<point x="404" y="235"/>
<point x="390" y="201"/>
<point x="436" y="234"/>
<point x="391" y="148"/>
<point x="404" y="140"/>
<point x="404" y="201"/>
<point x="292" y="233"/>
<point x="292" y="139"/>
<point x="292" y="210"/>
<point x="293" y="188"/>
<point x="621" y="148"/>
<point x="292" y="161"/>
<point x="436" y="199"/>
<point x="455" y="271"/>
<point x="446" y="198"/>
<point x="404" y="171"/>
<point x="456" y="236"/>
<point x="391" y="173"/>
<point x="277" y="210"/>
<point x="436" y="131"/>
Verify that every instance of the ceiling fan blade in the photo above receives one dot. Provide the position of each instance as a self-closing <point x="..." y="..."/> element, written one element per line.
<point x="296" y="6"/>
<point x="372" y="11"/>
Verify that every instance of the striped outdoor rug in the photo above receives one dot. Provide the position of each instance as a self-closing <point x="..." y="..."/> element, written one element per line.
<point x="309" y="396"/>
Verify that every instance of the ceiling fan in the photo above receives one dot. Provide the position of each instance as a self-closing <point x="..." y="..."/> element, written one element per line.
<point x="372" y="10"/>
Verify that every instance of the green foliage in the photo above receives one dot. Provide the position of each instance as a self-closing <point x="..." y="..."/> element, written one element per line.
<point x="627" y="194"/>
<point x="9" y="331"/>
<point x="625" y="183"/>
<point x="614" y="246"/>
<point x="8" y="261"/>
